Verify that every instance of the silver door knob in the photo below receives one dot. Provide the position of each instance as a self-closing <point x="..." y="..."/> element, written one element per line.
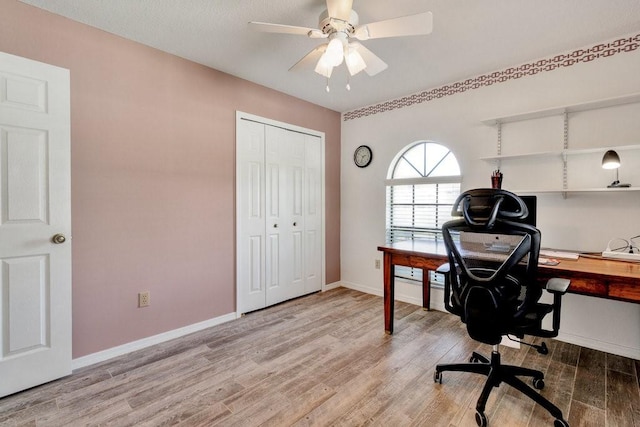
<point x="58" y="238"/>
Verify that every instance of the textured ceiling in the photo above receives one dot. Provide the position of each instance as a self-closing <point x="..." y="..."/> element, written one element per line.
<point x="470" y="37"/>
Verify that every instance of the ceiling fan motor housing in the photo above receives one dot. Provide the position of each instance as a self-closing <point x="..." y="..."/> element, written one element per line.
<point x="329" y="25"/>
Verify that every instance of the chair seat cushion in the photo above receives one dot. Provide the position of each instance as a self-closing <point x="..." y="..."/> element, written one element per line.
<point x="532" y="320"/>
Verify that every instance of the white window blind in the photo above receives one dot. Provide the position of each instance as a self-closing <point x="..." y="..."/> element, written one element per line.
<point x="423" y="184"/>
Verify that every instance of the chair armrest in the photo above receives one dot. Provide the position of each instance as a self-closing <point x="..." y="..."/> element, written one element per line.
<point x="558" y="286"/>
<point x="443" y="269"/>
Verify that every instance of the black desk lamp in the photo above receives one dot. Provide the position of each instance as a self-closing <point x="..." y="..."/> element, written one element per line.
<point x="611" y="160"/>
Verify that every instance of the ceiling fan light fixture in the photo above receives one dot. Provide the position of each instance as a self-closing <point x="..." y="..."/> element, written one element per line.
<point x="323" y="67"/>
<point x="354" y="61"/>
<point x="340" y="24"/>
<point x="334" y="54"/>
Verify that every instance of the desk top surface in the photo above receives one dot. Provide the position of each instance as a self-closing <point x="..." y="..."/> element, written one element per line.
<point x="590" y="265"/>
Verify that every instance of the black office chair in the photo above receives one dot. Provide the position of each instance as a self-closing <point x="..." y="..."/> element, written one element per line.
<point x="490" y="282"/>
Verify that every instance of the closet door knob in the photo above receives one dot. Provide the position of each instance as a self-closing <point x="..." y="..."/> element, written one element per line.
<point x="295" y="223"/>
<point x="275" y="225"/>
<point x="58" y="239"/>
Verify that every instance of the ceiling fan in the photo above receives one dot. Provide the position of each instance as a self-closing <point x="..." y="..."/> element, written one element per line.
<point x="339" y="24"/>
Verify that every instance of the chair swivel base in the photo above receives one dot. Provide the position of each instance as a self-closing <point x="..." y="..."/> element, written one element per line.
<point x="498" y="373"/>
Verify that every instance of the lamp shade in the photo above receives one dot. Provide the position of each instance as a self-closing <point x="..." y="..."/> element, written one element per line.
<point x="610" y="160"/>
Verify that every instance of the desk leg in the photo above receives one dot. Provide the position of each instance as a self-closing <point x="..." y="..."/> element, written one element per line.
<point x="389" y="288"/>
<point x="426" y="290"/>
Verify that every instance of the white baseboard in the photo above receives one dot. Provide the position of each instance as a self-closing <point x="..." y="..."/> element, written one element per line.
<point x="436" y="303"/>
<point x="607" y="347"/>
<point x="362" y="288"/>
<point x="330" y="286"/>
<point x="101" y="356"/>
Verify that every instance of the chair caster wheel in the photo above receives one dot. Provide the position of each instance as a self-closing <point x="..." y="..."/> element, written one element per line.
<point x="474" y="359"/>
<point x="538" y="383"/>
<point x="481" y="419"/>
<point x="560" y="423"/>
<point x="437" y="377"/>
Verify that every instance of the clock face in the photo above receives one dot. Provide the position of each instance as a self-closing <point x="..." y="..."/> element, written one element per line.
<point x="362" y="156"/>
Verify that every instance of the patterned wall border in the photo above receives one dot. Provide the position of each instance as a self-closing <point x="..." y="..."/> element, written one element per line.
<point x="602" y="50"/>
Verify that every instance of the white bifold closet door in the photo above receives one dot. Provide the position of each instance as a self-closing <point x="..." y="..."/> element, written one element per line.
<point x="279" y="214"/>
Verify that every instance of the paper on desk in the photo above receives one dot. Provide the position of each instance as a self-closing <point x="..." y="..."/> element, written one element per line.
<point x="559" y="254"/>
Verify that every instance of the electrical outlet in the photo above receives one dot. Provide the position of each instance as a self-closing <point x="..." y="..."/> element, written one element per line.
<point x="378" y="264"/>
<point x="144" y="299"/>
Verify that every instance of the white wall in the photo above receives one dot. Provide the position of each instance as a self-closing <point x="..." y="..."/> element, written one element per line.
<point x="581" y="222"/>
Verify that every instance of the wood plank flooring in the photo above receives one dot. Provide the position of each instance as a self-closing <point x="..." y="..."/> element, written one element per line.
<point x="324" y="360"/>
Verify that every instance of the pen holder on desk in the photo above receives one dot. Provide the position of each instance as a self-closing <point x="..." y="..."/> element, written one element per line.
<point x="496" y="181"/>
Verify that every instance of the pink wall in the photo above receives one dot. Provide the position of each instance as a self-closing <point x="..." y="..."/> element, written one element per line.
<point x="152" y="168"/>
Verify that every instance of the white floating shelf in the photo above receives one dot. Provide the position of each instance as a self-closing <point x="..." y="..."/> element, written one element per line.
<point x="561" y="153"/>
<point x="577" y="190"/>
<point x="600" y="149"/>
<point x="523" y="156"/>
<point x="603" y="103"/>
<point x="601" y="190"/>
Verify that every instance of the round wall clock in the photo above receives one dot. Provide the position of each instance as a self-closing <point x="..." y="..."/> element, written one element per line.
<point x="362" y="156"/>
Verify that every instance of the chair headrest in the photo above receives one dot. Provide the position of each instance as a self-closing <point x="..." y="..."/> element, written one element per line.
<point x="481" y="207"/>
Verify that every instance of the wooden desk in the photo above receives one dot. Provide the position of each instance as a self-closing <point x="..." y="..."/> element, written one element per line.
<point x="596" y="277"/>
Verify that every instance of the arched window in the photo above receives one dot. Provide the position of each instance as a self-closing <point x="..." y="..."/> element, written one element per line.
<point x="422" y="183"/>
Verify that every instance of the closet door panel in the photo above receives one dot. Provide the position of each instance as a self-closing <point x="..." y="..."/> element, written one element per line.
<point x="313" y="214"/>
<point x="297" y="219"/>
<point x="276" y="277"/>
<point x="296" y="162"/>
<point x="250" y="201"/>
<point x="285" y="166"/>
<point x="273" y="265"/>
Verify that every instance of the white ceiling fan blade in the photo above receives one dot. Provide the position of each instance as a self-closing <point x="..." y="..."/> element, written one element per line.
<point x="309" y="61"/>
<point x="374" y="64"/>
<point x="412" y="25"/>
<point x="340" y="9"/>
<point x="266" y="27"/>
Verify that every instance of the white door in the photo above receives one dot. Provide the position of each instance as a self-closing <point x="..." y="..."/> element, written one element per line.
<point x="284" y="162"/>
<point x="35" y="272"/>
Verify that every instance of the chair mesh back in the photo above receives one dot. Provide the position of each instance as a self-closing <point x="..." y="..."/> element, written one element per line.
<point x="495" y="262"/>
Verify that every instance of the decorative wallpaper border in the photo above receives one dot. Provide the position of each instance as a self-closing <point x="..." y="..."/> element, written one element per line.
<point x="602" y="50"/>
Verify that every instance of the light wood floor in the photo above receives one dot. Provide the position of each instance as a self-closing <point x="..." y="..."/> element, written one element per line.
<point x="325" y="360"/>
